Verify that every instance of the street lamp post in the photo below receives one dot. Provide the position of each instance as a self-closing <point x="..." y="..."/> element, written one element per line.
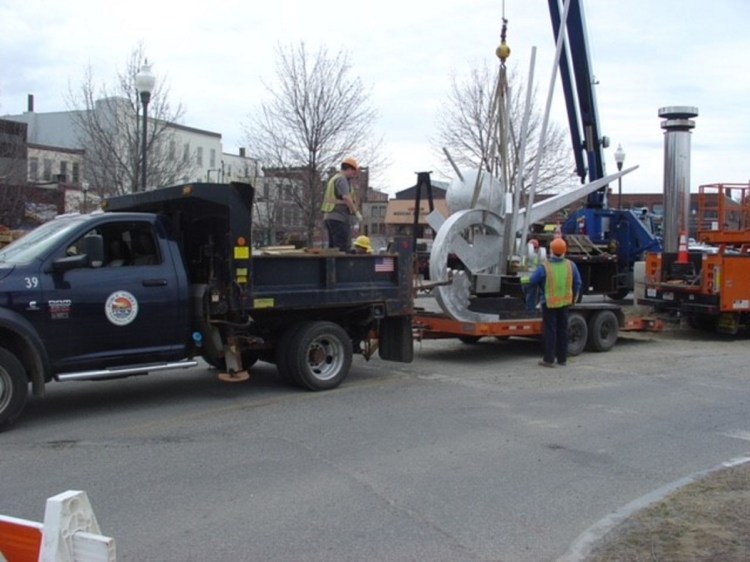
<point x="144" y="83"/>
<point x="620" y="160"/>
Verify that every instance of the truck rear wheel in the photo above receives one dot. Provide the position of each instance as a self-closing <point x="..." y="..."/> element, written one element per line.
<point x="284" y="354"/>
<point x="319" y="355"/>
<point x="577" y="334"/>
<point x="14" y="388"/>
<point x="603" y="328"/>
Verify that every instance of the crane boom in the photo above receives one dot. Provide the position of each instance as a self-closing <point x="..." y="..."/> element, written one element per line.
<point x="580" y="99"/>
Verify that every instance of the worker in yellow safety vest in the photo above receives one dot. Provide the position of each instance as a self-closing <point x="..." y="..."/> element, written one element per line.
<point x="561" y="283"/>
<point x="339" y="206"/>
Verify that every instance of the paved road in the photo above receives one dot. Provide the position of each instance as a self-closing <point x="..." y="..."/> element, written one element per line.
<point x="472" y="452"/>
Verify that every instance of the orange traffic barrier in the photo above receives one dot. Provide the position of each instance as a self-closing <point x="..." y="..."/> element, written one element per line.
<point x="69" y="533"/>
<point x="20" y="540"/>
<point x="682" y="249"/>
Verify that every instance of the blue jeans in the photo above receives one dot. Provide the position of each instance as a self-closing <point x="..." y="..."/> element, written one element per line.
<point x="531" y="295"/>
<point x="555" y="324"/>
<point x="339" y="235"/>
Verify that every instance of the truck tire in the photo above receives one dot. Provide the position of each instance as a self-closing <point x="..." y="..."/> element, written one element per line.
<point x="284" y="353"/>
<point x="703" y="322"/>
<point x="603" y="328"/>
<point x="577" y="334"/>
<point x="14" y="388"/>
<point x="320" y="355"/>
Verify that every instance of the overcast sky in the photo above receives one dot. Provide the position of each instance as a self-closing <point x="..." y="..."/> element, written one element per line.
<point x="214" y="56"/>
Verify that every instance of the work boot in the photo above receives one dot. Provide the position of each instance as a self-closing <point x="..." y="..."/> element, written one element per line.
<point x="543" y="363"/>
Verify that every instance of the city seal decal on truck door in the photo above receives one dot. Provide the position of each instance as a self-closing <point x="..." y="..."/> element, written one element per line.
<point x="121" y="308"/>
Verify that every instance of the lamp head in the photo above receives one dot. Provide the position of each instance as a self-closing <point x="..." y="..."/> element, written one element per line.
<point x="145" y="79"/>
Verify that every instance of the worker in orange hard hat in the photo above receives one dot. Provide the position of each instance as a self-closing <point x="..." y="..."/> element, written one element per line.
<point x="561" y="284"/>
<point x="362" y="245"/>
<point x="339" y="206"/>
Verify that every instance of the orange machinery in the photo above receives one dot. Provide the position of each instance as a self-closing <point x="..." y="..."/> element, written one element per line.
<point x="709" y="285"/>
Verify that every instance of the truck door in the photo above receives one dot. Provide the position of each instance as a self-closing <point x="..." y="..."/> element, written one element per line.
<point x="132" y="308"/>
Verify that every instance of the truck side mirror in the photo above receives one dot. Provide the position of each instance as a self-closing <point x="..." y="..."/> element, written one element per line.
<point x="70" y="262"/>
<point x="93" y="255"/>
<point x="94" y="247"/>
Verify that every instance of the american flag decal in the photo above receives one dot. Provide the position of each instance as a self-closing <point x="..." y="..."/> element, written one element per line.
<point x="384" y="265"/>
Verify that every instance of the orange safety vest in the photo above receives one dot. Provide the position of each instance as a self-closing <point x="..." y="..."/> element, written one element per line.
<point x="558" y="286"/>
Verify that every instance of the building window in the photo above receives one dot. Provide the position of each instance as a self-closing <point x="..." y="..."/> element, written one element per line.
<point x="64" y="170"/>
<point x="76" y="172"/>
<point x="33" y="169"/>
<point x="47" y="171"/>
<point x="186" y="152"/>
<point x="199" y="156"/>
<point x="212" y="158"/>
<point x="172" y="150"/>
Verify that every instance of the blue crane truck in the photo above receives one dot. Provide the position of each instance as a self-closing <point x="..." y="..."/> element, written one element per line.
<point x="617" y="238"/>
<point x="160" y="278"/>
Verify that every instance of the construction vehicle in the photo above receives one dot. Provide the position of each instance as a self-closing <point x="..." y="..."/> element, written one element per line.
<point x="482" y="295"/>
<point x="605" y="243"/>
<point x="709" y="288"/>
<point x="167" y="276"/>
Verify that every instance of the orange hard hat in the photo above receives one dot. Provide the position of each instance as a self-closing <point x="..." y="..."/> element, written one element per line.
<point x="558" y="247"/>
<point x="351" y="162"/>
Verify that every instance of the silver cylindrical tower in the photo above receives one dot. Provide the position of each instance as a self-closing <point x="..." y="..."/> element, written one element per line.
<point x="677" y="123"/>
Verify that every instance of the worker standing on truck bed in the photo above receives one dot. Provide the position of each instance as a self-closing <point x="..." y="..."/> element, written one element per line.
<point x="561" y="284"/>
<point x="339" y="207"/>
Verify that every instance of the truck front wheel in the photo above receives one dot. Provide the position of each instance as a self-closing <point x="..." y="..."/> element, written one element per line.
<point x="319" y="355"/>
<point x="14" y="388"/>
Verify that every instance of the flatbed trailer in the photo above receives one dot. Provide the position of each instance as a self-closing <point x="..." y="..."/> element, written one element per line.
<point x="595" y="326"/>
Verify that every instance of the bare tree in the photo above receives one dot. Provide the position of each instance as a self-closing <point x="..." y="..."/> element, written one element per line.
<point x="12" y="172"/>
<point x="275" y="201"/>
<point x="466" y="128"/>
<point x="109" y="120"/>
<point x="317" y="114"/>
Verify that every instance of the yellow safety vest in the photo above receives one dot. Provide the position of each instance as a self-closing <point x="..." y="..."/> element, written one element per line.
<point x="558" y="287"/>
<point x="330" y="198"/>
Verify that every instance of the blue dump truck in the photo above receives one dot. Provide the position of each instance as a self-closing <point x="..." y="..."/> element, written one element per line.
<point x="161" y="278"/>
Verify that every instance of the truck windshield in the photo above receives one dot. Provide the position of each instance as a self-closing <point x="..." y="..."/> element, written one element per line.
<point x="39" y="242"/>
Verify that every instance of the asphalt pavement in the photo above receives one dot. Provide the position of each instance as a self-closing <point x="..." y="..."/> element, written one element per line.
<point x="471" y="452"/>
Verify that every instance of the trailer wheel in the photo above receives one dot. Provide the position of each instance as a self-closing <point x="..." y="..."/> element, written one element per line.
<point x="320" y="355"/>
<point x="577" y="334"/>
<point x="14" y="388"/>
<point x="603" y="328"/>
